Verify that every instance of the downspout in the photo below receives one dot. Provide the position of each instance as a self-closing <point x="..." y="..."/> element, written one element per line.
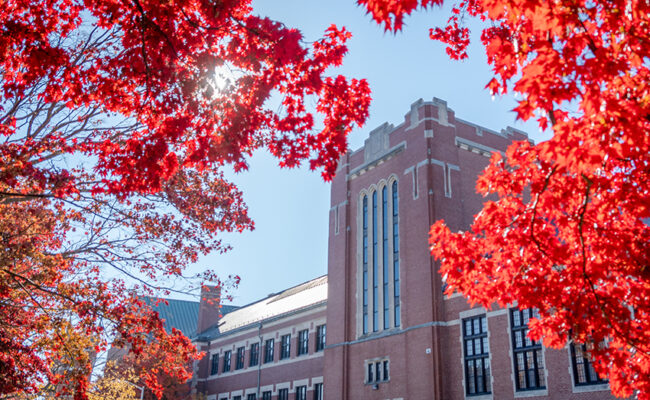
<point x="259" y="360"/>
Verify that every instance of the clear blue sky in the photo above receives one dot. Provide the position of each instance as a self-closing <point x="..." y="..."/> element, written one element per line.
<point x="290" y="207"/>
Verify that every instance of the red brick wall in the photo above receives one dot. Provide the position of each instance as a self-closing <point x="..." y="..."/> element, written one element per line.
<point x="426" y="358"/>
<point x="279" y="373"/>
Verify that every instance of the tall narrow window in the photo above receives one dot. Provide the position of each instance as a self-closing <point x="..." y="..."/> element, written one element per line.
<point x="214" y="367"/>
<point x="583" y="369"/>
<point x="318" y="391"/>
<point x="303" y="342"/>
<point x="251" y="396"/>
<point x="254" y="356"/>
<point x="386" y="376"/>
<point x="528" y="358"/>
<point x="226" y="361"/>
<point x="396" y="291"/>
<point x="477" y="355"/>
<point x="365" y="264"/>
<point x="375" y="269"/>
<point x="283" y="394"/>
<point x="241" y="351"/>
<point x="285" y="347"/>
<point x="268" y="350"/>
<point x="336" y="220"/>
<point x="267" y="395"/>
<point x="384" y="258"/>
<point x="447" y="180"/>
<point x="301" y="393"/>
<point x="415" y="182"/>
<point x="320" y="337"/>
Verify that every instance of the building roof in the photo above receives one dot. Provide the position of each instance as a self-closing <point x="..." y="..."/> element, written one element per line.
<point x="298" y="298"/>
<point x="182" y="314"/>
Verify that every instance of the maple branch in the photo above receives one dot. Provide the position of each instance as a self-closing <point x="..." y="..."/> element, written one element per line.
<point x="592" y="44"/>
<point x="591" y="286"/>
<point x="56" y="332"/>
<point x="146" y="21"/>
<point x="534" y="216"/>
<point x="197" y="25"/>
<point x="585" y="276"/>
<point x="551" y="116"/>
<point x="13" y="197"/>
<point x="37" y="286"/>
<point x="142" y="281"/>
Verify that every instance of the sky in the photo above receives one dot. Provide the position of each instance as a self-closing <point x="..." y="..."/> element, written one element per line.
<point x="290" y="207"/>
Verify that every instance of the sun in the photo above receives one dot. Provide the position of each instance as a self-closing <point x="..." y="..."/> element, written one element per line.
<point x="224" y="78"/>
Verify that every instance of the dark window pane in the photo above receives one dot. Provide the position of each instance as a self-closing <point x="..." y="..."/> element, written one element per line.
<point x="386" y="376"/>
<point x="476" y="356"/>
<point x="318" y="391"/>
<point x="583" y="370"/>
<point x="254" y="354"/>
<point x="529" y="360"/>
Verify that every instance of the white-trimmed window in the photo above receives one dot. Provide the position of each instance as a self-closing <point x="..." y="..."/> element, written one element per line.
<point x="241" y="353"/>
<point x="527" y="353"/>
<point x="377" y="370"/>
<point x="269" y="346"/>
<point x="379" y="269"/>
<point x="254" y="355"/>
<point x="303" y="342"/>
<point x="476" y="356"/>
<point x="321" y="331"/>
<point x="285" y="347"/>
<point x="214" y="364"/>
<point x="226" y="361"/>
<point x="584" y="373"/>
<point x="301" y="392"/>
<point x="318" y="391"/>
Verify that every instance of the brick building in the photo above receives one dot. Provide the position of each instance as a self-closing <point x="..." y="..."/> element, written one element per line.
<point x="270" y="349"/>
<point x="391" y="334"/>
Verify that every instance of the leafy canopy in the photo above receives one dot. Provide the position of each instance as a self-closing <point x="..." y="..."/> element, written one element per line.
<point x="115" y="127"/>
<point x="566" y="229"/>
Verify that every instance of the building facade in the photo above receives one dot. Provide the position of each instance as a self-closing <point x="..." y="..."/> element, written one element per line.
<point x="390" y="332"/>
<point x="270" y="349"/>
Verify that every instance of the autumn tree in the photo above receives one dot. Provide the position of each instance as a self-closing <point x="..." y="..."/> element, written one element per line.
<point x="117" y="120"/>
<point x="566" y="228"/>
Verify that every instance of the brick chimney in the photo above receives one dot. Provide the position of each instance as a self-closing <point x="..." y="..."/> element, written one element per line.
<point x="209" y="309"/>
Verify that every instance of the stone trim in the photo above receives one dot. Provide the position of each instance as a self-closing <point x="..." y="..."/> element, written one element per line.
<point x="277" y="363"/>
<point x="360" y="170"/>
<point x="477" y="148"/>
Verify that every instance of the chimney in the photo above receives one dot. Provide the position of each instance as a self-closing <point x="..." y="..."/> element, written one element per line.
<point x="209" y="309"/>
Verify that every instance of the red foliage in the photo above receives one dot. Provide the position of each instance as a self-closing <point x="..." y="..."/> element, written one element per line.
<point x="114" y="128"/>
<point x="568" y="230"/>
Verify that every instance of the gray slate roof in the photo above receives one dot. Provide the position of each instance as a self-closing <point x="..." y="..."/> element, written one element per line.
<point x="182" y="314"/>
<point x="310" y="294"/>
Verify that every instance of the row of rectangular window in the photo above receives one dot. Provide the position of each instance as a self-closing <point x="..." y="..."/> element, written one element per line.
<point x="283" y="394"/>
<point x="269" y="346"/>
<point x="527" y="355"/>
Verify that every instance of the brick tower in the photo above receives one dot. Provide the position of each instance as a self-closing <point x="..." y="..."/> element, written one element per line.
<point x="391" y="332"/>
